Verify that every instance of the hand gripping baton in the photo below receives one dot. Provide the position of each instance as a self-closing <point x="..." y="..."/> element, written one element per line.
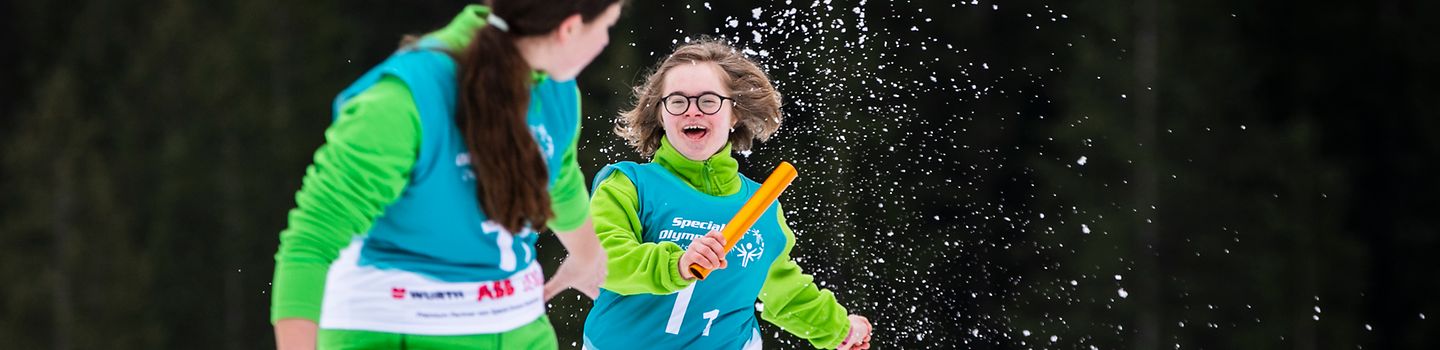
<point x="758" y="203"/>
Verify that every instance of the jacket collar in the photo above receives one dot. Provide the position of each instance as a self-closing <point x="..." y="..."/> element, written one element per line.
<point x="717" y="176"/>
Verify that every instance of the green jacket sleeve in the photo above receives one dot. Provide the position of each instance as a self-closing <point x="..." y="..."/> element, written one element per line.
<point x="793" y="302"/>
<point x="568" y="193"/>
<point x="635" y="266"/>
<point x="363" y="166"/>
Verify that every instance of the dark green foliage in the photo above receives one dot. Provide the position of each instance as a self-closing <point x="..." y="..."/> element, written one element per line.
<point x="1277" y="159"/>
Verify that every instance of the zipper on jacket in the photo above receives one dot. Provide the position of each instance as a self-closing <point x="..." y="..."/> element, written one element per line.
<point x="705" y="174"/>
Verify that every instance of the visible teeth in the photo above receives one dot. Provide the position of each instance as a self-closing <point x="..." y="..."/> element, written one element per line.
<point x="694" y="127"/>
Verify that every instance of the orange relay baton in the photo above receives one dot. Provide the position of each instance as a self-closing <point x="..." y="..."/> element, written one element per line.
<point x="758" y="203"/>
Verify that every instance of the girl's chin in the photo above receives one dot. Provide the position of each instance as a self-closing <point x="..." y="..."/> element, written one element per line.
<point x="696" y="151"/>
<point x="686" y="143"/>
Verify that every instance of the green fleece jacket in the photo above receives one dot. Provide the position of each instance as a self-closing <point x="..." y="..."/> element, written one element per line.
<point x="791" y="298"/>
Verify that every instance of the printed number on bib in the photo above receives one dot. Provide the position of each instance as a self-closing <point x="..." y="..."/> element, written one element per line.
<point x="505" y="241"/>
<point x="677" y="313"/>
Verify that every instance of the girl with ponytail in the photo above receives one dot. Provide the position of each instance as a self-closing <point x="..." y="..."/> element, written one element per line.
<point x="415" y="226"/>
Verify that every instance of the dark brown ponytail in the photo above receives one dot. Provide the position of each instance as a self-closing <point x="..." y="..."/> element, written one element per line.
<point x="512" y="179"/>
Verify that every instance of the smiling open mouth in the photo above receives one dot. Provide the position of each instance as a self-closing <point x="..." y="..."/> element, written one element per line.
<point x="695" y="132"/>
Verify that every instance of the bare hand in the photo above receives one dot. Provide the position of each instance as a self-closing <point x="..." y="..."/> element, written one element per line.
<point x="584" y="269"/>
<point x="585" y="275"/>
<point x="859" y="337"/>
<point x="708" y="251"/>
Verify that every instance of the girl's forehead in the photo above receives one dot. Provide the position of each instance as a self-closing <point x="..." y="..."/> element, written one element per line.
<point x="694" y="78"/>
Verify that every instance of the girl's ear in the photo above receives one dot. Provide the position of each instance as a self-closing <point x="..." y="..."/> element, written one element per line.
<point x="569" y="28"/>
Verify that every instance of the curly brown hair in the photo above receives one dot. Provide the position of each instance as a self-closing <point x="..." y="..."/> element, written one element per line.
<point x="756" y="105"/>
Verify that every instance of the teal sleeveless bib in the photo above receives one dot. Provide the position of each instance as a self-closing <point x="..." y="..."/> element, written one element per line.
<point x="715" y="313"/>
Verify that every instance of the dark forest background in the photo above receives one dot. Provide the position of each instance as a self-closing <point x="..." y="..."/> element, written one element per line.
<point x="1141" y="174"/>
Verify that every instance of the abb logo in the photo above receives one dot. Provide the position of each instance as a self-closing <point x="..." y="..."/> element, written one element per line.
<point x="496" y="290"/>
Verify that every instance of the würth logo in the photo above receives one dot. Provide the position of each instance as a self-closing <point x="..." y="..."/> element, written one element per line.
<point x="496" y="290"/>
<point x="397" y="293"/>
<point x="437" y="295"/>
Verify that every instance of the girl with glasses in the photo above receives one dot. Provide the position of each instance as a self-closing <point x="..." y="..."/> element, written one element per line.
<point x="700" y="104"/>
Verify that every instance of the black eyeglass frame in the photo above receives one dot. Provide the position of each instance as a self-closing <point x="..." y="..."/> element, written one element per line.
<point x="695" y="100"/>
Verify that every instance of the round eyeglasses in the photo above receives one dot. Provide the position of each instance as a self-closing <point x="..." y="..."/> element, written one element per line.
<point x="708" y="103"/>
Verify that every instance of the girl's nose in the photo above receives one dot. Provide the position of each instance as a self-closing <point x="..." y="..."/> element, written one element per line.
<point x="694" y="110"/>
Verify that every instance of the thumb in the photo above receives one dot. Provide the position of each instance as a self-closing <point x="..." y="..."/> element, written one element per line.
<point x="685" y="268"/>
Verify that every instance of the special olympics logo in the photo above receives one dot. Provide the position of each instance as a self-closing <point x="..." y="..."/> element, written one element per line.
<point x="752" y="249"/>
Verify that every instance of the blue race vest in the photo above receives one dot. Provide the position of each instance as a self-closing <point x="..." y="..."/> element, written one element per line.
<point x="716" y="313"/>
<point x="437" y="227"/>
